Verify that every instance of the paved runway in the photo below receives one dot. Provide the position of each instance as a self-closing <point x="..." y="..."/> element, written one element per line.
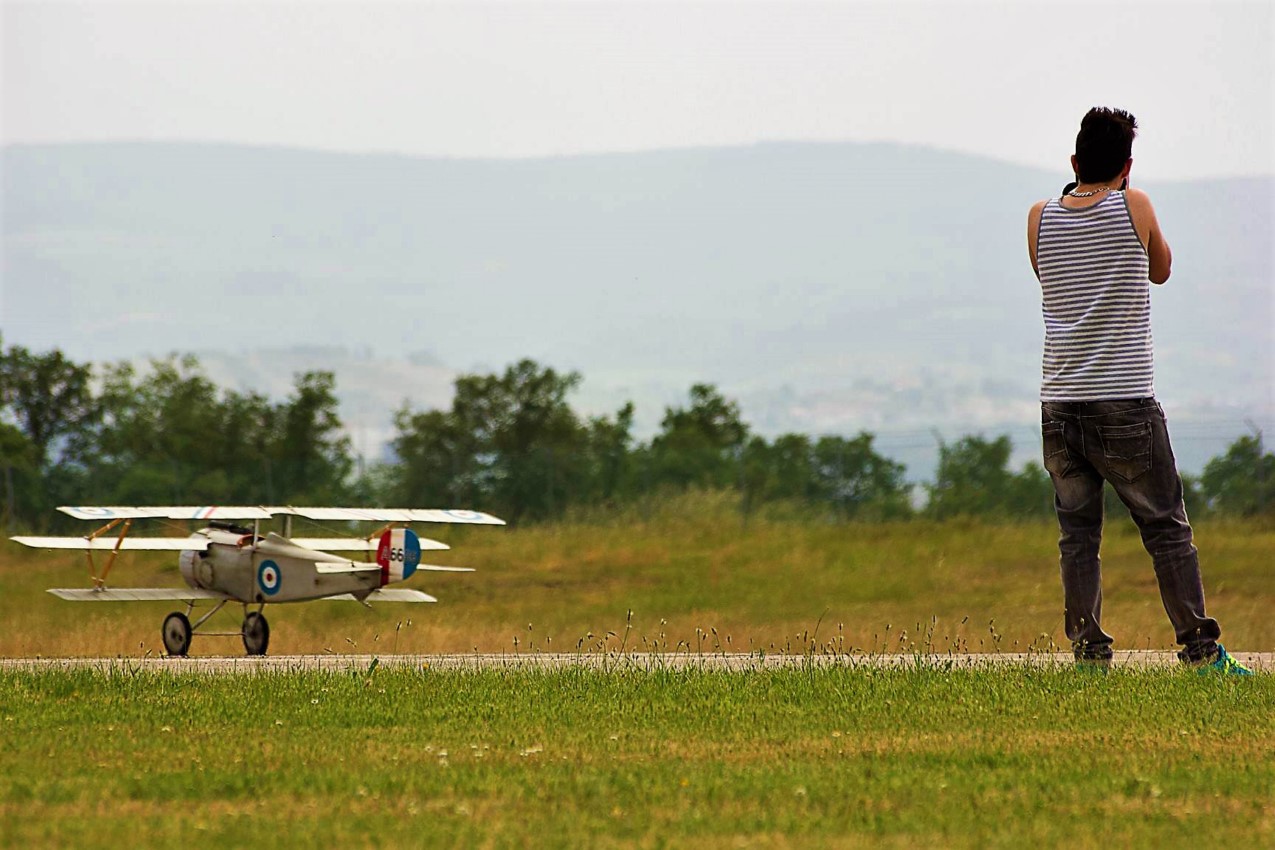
<point x="1261" y="661"/>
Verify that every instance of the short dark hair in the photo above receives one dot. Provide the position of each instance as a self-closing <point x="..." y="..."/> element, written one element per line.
<point x="1104" y="143"/>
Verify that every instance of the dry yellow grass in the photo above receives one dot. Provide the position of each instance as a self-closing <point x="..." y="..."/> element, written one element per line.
<point x="694" y="577"/>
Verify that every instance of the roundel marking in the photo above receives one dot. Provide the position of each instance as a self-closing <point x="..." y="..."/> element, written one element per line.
<point x="98" y="512"/>
<point x="268" y="577"/>
<point x="398" y="554"/>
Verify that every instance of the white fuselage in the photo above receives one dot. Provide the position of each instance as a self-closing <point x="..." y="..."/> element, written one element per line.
<point x="270" y="569"/>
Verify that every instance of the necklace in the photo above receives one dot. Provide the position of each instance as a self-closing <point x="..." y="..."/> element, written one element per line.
<point x="1089" y="194"/>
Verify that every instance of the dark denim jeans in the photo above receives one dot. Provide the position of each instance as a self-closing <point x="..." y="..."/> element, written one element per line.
<point x="1127" y="444"/>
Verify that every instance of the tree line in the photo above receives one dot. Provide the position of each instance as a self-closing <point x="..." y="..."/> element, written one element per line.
<point x="509" y="444"/>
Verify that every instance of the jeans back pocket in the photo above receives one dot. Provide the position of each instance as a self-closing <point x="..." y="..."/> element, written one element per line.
<point x="1057" y="458"/>
<point x="1127" y="449"/>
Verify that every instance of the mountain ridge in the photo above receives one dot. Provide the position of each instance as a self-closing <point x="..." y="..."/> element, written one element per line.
<point x="828" y="286"/>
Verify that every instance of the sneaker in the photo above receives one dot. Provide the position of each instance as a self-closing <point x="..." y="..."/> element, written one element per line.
<point x="1224" y="664"/>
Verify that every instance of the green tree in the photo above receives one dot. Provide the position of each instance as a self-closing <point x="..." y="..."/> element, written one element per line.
<point x="374" y="485"/>
<point x="171" y="435"/>
<point x="974" y="479"/>
<point x="49" y="397"/>
<point x="248" y="432"/>
<point x="1031" y="493"/>
<point x="610" y="456"/>
<point x="758" y="474"/>
<point x="47" y="415"/>
<point x="794" y="463"/>
<point x="537" y="440"/>
<point x="22" y="499"/>
<point x="161" y="433"/>
<point x="166" y="434"/>
<point x="857" y="481"/>
<point x="437" y="461"/>
<point x="782" y="470"/>
<point x="1240" y="482"/>
<point x="311" y="459"/>
<point x="700" y="445"/>
<point x="510" y="444"/>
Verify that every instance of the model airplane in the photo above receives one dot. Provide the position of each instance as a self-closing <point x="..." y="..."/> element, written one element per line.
<point x="232" y="563"/>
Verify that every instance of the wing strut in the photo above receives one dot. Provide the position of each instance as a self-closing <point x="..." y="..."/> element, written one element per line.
<point x="99" y="581"/>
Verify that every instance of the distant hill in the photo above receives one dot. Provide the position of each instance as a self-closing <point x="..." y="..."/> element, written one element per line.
<point x="829" y="287"/>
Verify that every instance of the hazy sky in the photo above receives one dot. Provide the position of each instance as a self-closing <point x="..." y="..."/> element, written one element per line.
<point x="1010" y="80"/>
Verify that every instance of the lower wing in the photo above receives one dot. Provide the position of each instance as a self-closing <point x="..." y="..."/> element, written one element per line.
<point x="165" y="544"/>
<point x="134" y="594"/>
<point x="391" y="594"/>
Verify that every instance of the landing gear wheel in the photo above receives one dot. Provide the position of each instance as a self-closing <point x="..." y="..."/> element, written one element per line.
<point x="177" y="634"/>
<point x="256" y="634"/>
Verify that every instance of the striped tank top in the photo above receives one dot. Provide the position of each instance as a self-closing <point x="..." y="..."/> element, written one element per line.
<point x="1096" y="299"/>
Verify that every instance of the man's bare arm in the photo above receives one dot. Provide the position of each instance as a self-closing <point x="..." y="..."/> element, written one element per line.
<point x="1148" y="228"/>
<point x="1033" y="233"/>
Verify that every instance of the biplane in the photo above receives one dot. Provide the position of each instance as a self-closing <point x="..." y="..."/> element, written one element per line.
<point x="227" y="561"/>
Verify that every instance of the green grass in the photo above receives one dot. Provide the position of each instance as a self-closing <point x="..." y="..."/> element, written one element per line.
<point x="692" y="573"/>
<point x="921" y="756"/>
<point x="805" y="757"/>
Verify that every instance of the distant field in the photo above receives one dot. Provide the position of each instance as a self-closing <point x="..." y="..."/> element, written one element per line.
<point x="693" y="575"/>
<point x="917" y="756"/>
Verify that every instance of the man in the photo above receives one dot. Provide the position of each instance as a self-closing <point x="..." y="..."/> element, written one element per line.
<point x="1096" y="249"/>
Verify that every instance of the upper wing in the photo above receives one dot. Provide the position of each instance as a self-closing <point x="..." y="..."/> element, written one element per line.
<point x="170" y="512"/>
<point x="250" y="512"/>
<point x="134" y="594"/>
<point x="391" y="515"/>
<point x="170" y="544"/>
<point x="356" y="544"/>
